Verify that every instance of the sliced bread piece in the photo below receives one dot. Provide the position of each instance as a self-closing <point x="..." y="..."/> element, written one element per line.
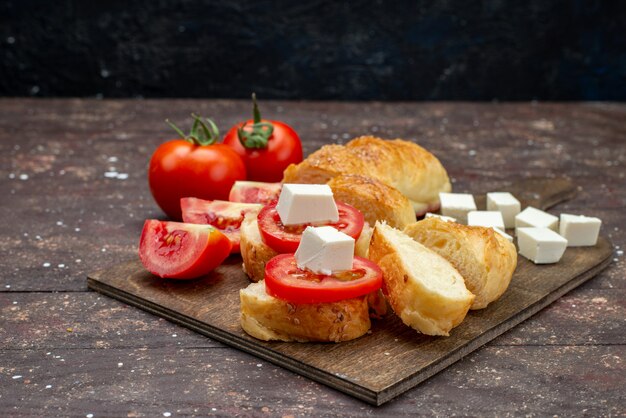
<point x="268" y="318"/>
<point x="485" y="258"/>
<point x="422" y="287"/>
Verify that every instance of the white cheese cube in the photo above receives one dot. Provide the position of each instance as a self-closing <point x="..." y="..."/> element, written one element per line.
<point x="325" y="250"/>
<point x="579" y="230"/>
<point x="457" y="205"/>
<point x="535" y="218"/>
<point x="443" y="218"/>
<point x="540" y="245"/>
<point x="504" y="234"/>
<point x="506" y="204"/>
<point x="489" y="219"/>
<point x="304" y="203"/>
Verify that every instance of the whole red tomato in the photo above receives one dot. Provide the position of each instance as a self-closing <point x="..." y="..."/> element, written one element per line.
<point x="267" y="147"/>
<point x="193" y="167"/>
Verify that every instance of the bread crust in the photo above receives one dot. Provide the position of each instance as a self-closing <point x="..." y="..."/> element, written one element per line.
<point x="374" y="199"/>
<point x="418" y="305"/>
<point x="268" y="318"/>
<point x="254" y="252"/>
<point x="485" y="259"/>
<point x="403" y="165"/>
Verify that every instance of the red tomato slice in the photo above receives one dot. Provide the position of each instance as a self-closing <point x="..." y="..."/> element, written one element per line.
<point x="181" y="251"/>
<point x="284" y="280"/>
<point x="225" y="216"/>
<point x="254" y="192"/>
<point x="285" y="239"/>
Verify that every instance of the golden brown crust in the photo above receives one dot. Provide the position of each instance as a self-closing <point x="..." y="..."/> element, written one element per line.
<point x="376" y="200"/>
<point x="485" y="259"/>
<point x="254" y="252"/>
<point x="423" y="289"/>
<point x="403" y="165"/>
<point x="268" y="318"/>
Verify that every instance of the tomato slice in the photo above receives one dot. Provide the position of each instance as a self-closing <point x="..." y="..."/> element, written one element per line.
<point x="285" y="239"/>
<point x="284" y="280"/>
<point x="181" y="251"/>
<point x="254" y="192"/>
<point x="223" y="215"/>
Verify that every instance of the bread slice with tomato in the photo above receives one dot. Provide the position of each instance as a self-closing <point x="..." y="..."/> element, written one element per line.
<point x="271" y="319"/>
<point x="294" y="303"/>
<point x="422" y="287"/>
<point x="260" y="243"/>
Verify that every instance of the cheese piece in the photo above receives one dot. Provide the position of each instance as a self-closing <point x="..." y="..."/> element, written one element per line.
<point x="305" y="203"/>
<point x="325" y="250"/>
<point x="535" y="218"/>
<point x="505" y="203"/>
<point x="579" y="230"/>
<point x="540" y="245"/>
<point x="443" y="218"/>
<point x="489" y="219"/>
<point x="457" y="205"/>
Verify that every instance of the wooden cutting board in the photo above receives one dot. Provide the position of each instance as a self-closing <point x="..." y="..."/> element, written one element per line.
<point x="393" y="358"/>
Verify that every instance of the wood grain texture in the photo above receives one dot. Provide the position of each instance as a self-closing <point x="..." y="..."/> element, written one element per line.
<point x="392" y="358"/>
<point x="566" y="360"/>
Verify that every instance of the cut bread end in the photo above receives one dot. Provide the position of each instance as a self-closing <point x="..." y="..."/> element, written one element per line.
<point x="485" y="259"/>
<point x="422" y="287"/>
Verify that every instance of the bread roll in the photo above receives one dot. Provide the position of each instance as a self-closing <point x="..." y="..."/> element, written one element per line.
<point x="403" y="165"/>
<point x="268" y="318"/>
<point x="374" y="199"/>
<point x="423" y="288"/>
<point x="485" y="259"/>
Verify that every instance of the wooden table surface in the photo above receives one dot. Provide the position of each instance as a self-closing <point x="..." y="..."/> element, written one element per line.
<point x="68" y="351"/>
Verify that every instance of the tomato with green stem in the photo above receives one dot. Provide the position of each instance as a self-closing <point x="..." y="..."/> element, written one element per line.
<point x="193" y="166"/>
<point x="266" y="146"/>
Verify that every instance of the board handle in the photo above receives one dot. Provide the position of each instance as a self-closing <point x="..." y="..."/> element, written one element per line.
<point x="542" y="193"/>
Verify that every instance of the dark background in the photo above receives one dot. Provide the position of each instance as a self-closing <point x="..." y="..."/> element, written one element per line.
<point x="391" y="50"/>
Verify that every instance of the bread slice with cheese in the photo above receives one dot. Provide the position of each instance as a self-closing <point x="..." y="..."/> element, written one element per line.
<point x="403" y="165"/>
<point x="485" y="259"/>
<point x="256" y="253"/>
<point x="422" y="287"/>
<point x="268" y="318"/>
<point x="374" y="199"/>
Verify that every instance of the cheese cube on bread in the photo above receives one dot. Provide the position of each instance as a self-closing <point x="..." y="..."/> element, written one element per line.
<point x="304" y="203"/>
<point x="325" y="250"/>
<point x="423" y="288"/>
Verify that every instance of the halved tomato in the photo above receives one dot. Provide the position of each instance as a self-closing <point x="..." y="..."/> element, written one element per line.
<point x="284" y="280"/>
<point x="225" y="216"/>
<point x="285" y="239"/>
<point x="177" y="250"/>
<point x="254" y="192"/>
